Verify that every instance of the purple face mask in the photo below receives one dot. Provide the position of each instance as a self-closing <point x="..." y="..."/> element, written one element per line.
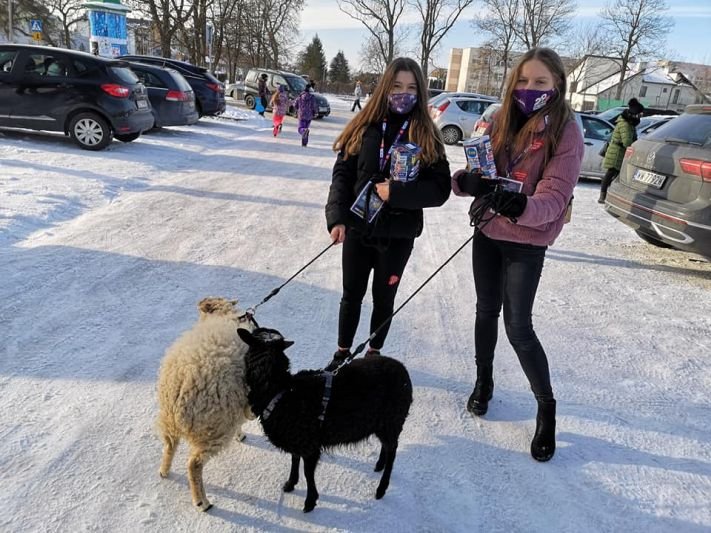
<point x="402" y="103"/>
<point x="530" y="100"/>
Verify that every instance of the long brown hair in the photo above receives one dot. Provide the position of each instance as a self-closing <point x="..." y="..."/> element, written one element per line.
<point x="507" y="126"/>
<point x="422" y="130"/>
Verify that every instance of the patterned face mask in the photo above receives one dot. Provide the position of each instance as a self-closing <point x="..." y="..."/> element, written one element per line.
<point x="402" y="103"/>
<point x="531" y="100"/>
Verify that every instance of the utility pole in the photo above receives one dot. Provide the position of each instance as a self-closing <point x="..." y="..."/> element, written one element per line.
<point x="9" y="21"/>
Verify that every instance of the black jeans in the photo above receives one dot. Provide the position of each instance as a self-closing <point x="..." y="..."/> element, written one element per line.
<point x="356" y="103"/>
<point x="507" y="273"/>
<point x="610" y="175"/>
<point x="387" y="261"/>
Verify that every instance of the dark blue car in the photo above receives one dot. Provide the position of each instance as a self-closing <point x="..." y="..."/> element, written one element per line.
<point x="172" y="98"/>
<point x="209" y="91"/>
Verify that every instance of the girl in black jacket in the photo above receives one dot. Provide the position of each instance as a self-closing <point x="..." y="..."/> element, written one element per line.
<point x="396" y="113"/>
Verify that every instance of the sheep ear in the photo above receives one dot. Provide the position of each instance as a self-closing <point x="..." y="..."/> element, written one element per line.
<point x="206" y="305"/>
<point x="246" y="336"/>
<point x="288" y="343"/>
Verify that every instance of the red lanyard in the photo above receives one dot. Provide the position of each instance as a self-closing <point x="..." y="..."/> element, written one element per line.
<point x="523" y="154"/>
<point x="385" y="157"/>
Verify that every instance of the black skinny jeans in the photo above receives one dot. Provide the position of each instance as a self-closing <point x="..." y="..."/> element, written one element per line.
<point x="610" y="175"/>
<point x="507" y="273"/>
<point x="387" y="264"/>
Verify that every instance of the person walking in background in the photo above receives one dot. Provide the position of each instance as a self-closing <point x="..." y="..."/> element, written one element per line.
<point x="396" y="114"/>
<point x="357" y="94"/>
<point x="263" y="92"/>
<point x="306" y="109"/>
<point x="280" y="106"/>
<point x="538" y="145"/>
<point x="624" y="134"/>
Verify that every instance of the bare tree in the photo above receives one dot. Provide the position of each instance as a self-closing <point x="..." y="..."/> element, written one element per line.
<point x="69" y="12"/>
<point x="585" y="40"/>
<point x="380" y="18"/>
<point x="500" y="22"/>
<point x="168" y="18"/>
<point x="638" y="28"/>
<point x="438" y="17"/>
<point x="540" y="20"/>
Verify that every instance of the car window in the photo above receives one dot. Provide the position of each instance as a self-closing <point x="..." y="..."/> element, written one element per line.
<point x="611" y="114"/>
<point x="251" y="76"/>
<point x="277" y="81"/>
<point x="595" y="129"/>
<point x="46" y="65"/>
<point x="81" y="67"/>
<point x="490" y="110"/>
<point x="148" y="79"/>
<point x="7" y="59"/>
<point x="125" y="74"/>
<point x="467" y="106"/>
<point x="693" y="128"/>
<point x="296" y="83"/>
<point x="179" y="80"/>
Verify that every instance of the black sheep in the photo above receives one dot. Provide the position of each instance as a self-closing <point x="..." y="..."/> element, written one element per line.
<point x="370" y="396"/>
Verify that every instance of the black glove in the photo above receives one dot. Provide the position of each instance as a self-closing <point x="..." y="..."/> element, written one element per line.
<point x="473" y="183"/>
<point x="510" y="204"/>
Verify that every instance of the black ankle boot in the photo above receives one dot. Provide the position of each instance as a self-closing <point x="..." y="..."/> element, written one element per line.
<point x="543" y="443"/>
<point x="338" y="358"/>
<point x="478" y="402"/>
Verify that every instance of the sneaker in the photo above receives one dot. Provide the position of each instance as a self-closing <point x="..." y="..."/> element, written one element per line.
<point x="338" y="358"/>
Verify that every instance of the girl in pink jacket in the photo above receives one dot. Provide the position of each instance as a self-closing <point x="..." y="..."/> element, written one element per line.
<point x="538" y="145"/>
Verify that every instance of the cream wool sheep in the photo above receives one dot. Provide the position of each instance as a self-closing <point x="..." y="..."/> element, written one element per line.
<point x="202" y="395"/>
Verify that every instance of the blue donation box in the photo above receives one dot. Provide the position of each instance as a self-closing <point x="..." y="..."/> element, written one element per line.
<point x="107" y="22"/>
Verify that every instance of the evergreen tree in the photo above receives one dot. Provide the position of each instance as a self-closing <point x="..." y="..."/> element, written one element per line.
<point x="339" y="70"/>
<point x="312" y="60"/>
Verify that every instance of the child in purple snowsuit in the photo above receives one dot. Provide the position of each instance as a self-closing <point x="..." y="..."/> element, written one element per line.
<point x="306" y="109"/>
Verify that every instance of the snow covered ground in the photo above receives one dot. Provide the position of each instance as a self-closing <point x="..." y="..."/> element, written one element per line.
<point x="103" y="257"/>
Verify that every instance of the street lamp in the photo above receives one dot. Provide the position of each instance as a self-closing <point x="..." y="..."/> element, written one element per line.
<point x="9" y="21"/>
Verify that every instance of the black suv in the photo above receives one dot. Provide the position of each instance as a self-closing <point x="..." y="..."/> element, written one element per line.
<point x="295" y="83"/>
<point x="209" y="91"/>
<point x="87" y="97"/>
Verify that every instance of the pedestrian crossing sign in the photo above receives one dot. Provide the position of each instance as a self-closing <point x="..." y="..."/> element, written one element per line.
<point x="35" y="25"/>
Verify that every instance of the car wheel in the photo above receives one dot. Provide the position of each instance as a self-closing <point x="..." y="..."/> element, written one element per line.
<point x="128" y="137"/>
<point x="451" y="134"/>
<point x="249" y="101"/>
<point x="90" y="131"/>
<point x="198" y="107"/>
<point x="651" y="240"/>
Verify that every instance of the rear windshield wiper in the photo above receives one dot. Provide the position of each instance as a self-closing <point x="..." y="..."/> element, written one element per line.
<point x="682" y="141"/>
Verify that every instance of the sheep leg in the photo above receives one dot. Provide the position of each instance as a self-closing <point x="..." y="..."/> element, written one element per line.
<point x="293" y="474"/>
<point x="385" y="479"/>
<point x="310" y="463"/>
<point x="381" y="459"/>
<point x="197" y="489"/>
<point x="170" y="444"/>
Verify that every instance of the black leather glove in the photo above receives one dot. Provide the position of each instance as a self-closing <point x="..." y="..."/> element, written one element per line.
<point x="473" y="183"/>
<point x="510" y="204"/>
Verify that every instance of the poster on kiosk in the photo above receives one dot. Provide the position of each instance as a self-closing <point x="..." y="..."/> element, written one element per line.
<point x="107" y="23"/>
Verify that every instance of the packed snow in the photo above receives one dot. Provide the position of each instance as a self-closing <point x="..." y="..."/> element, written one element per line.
<point x="104" y="256"/>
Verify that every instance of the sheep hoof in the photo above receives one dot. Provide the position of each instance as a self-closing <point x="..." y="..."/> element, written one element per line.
<point x="162" y="474"/>
<point x="288" y="486"/>
<point x="309" y="506"/>
<point x="380" y="492"/>
<point x="202" y="507"/>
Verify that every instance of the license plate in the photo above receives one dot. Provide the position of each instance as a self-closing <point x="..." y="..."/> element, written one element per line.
<point x="649" y="178"/>
<point x="322" y="109"/>
<point x="142" y="104"/>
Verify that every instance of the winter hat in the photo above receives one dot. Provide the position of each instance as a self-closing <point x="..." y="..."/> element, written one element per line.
<point x="264" y="77"/>
<point x="635" y="107"/>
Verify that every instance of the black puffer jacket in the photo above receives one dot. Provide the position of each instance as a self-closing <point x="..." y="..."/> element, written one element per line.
<point x="401" y="216"/>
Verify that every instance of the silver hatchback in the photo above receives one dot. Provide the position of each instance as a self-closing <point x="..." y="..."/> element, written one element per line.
<point x="455" y="116"/>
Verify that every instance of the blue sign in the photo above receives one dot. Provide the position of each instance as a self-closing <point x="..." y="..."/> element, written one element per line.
<point x="35" y="25"/>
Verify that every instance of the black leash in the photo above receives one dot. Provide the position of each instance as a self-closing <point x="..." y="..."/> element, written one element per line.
<point x="252" y="310"/>
<point x="478" y="219"/>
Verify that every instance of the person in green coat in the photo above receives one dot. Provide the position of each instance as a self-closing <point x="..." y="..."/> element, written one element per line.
<point x="623" y="136"/>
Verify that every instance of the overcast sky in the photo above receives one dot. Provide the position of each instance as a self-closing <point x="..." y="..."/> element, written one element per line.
<point x="690" y="40"/>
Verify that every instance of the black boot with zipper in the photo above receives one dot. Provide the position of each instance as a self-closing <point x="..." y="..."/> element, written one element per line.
<point x="543" y="443"/>
<point x="478" y="402"/>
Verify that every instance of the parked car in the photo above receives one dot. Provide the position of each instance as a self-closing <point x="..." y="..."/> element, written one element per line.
<point x="172" y="98"/>
<point x="663" y="191"/>
<point x="209" y="91"/>
<point x="648" y="124"/>
<point x="613" y="113"/>
<point x="455" y="116"/>
<point x="89" y="98"/>
<point x="431" y="93"/>
<point x="596" y="131"/>
<point x="485" y="119"/>
<point x="295" y="85"/>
